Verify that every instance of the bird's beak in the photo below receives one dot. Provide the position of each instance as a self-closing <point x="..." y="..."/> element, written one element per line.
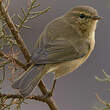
<point x="96" y="17"/>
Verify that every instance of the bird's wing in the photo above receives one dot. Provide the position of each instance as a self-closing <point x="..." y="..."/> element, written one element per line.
<point x="58" y="45"/>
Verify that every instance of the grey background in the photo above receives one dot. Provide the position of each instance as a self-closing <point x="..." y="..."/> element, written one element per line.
<point x="77" y="90"/>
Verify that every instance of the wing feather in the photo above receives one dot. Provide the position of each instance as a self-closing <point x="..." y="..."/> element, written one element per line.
<point x="59" y="42"/>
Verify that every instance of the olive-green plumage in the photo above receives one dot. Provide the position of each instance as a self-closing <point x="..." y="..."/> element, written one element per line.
<point x="63" y="46"/>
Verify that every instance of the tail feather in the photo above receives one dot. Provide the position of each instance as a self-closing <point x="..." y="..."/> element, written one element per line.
<point x="26" y="91"/>
<point x="17" y="83"/>
<point x="28" y="81"/>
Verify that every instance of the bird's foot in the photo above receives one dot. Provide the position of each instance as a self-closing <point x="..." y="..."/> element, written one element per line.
<point x="48" y="94"/>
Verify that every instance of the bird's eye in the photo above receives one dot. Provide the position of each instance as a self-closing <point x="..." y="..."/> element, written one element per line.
<point x="82" y="16"/>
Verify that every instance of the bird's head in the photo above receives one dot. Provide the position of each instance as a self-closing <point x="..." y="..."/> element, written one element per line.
<point x="83" y="17"/>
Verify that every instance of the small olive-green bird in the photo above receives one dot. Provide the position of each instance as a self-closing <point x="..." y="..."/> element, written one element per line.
<point x="63" y="46"/>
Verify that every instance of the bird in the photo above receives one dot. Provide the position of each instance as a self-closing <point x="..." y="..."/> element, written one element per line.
<point x="65" y="44"/>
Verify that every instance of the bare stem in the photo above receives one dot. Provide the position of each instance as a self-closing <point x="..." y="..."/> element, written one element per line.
<point x="15" y="96"/>
<point x="23" y="48"/>
<point x="103" y="102"/>
<point x="51" y="103"/>
<point x="3" y="55"/>
<point x="15" y="33"/>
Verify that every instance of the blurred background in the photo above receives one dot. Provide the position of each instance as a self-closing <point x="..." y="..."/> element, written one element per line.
<point x="77" y="90"/>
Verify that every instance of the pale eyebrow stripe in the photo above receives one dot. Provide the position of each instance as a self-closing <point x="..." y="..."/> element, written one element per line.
<point x="78" y="12"/>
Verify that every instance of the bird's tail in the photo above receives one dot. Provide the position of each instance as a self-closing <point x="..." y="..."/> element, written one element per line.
<point x="30" y="78"/>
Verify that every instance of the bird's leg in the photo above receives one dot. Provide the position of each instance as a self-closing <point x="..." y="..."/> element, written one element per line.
<point x="50" y="93"/>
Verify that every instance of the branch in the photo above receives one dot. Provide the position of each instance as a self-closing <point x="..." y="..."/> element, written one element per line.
<point x="15" y="33"/>
<point x="3" y="55"/>
<point x="30" y="14"/>
<point x="103" y="102"/>
<point x="22" y="46"/>
<point x="26" y="14"/>
<point x="51" y="103"/>
<point x="16" y="96"/>
<point x="41" y="85"/>
<point x="36" y="98"/>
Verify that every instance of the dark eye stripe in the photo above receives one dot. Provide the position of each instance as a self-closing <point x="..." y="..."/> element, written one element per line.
<point x="82" y="16"/>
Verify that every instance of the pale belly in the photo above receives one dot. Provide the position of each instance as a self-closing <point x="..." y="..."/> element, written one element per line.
<point x="61" y="69"/>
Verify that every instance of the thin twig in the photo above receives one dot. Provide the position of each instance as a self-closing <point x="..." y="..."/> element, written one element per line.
<point x="102" y="102"/>
<point x="16" y="96"/>
<point x="51" y="103"/>
<point x="22" y="46"/>
<point x="5" y="63"/>
<point x="25" y="14"/>
<point x="37" y="98"/>
<point x="15" y="33"/>
<point x="3" y="55"/>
